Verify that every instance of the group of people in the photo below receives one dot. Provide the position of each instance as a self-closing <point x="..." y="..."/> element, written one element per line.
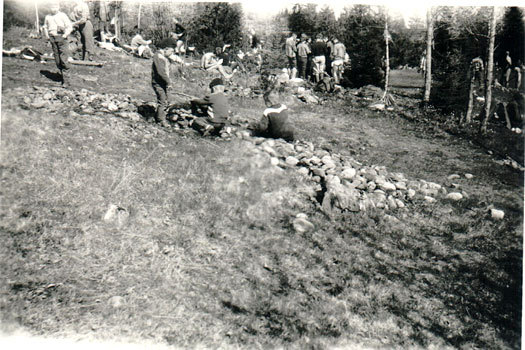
<point x="57" y="28"/>
<point x="315" y="60"/>
<point x="213" y="110"/>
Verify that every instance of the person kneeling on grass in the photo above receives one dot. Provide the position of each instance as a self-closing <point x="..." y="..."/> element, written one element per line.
<point x="275" y="122"/>
<point x="161" y="82"/>
<point x="213" y="110"/>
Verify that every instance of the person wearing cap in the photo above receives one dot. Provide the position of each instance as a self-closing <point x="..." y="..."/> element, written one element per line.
<point x="338" y="60"/>
<point x="81" y="22"/>
<point x="275" y="122"/>
<point x="161" y="82"/>
<point x="213" y="109"/>
<point x="303" y="50"/>
<point x="57" y="28"/>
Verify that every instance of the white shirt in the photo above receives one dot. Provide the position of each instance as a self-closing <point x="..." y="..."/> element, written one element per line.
<point x="58" y="24"/>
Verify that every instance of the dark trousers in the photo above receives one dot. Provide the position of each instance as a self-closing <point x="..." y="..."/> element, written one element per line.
<point x="162" y="101"/>
<point x="301" y="65"/>
<point x="86" y="38"/>
<point x="61" y="53"/>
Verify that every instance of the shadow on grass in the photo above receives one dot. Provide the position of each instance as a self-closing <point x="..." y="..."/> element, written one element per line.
<point x="51" y="75"/>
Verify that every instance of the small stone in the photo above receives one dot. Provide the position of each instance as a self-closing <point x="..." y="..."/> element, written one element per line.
<point x="47" y="96"/>
<point x="301" y="216"/>
<point x="429" y="199"/>
<point x="497" y="214"/>
<point x="453" y="176"/>
<point x="299" y="148"/>
<point x="348" y="173"/>
<point x="38" y="103"/>
<point x="332" y="180"/>
<point x="290" y="160"/>
<point x="400" y="203"/>
<point x="269" y="150"/>
<point x="301" y="225"/>
<point x="400" y="185"/>
<point x="391" y="202"/>
<point x="387" y="186"/>
<point x="116" y="301"/>
<point x="469" y="176"/>
<point x="455" y="196"/>
<point x="315" y="160"/>
<point x="269" y="143"/>
<point x="434" y="186"/>
<point x="112" y="107"/>
<point x="302" y="170"/>
<point x="274" y="161"/>
<point x="318" y="172"/>
<point x="371" y="186"/>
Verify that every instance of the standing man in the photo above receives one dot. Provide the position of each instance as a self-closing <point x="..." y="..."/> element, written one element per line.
<point x="328" y="55"/>
<point x="82" y="23"/>
<point x="319" y="51"/>
<point x="57" y="28"/>
<point x="161" y="82"/>
<point x="291" y="50"/>
<point x="339" y="60"/>
<point x="102" y="12"/>
<point x="302" y="54"/>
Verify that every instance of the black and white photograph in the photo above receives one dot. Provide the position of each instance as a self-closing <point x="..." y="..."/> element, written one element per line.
<point x="313" y="175"/>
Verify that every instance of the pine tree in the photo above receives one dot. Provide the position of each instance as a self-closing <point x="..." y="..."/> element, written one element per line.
<point x="511" y="37"/>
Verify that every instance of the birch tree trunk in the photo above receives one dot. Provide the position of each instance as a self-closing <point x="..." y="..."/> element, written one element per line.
<point x="37" y="22"/>
<point x="468" y="117"/>
<point x="490" y="68"/>
<point x="140" y="9"/>
<point x="428" y="70"/>
<point x="387" y="57"/>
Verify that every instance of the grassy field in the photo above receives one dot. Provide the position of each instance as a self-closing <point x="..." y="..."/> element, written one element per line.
<point x="115" y="229"/>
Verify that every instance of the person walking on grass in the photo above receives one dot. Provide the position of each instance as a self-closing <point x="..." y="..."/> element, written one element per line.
<point x="161" y="82"/>
<point x="57" y="28"/>
<point x="81" y="22"/>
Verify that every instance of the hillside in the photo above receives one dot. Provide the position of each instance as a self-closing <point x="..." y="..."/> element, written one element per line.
<point x="117" y="229"/>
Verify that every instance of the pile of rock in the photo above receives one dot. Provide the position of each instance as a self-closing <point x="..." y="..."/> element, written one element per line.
<point x="80" y="101"/>
<point x="345" y="183"/>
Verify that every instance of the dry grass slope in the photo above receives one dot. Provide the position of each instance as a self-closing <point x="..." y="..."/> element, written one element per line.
<point x="115" y="229"/>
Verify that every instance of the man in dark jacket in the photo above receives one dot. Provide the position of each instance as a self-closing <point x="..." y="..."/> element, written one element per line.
<point x="213" y="109"/>
<point x="275" y="122"/>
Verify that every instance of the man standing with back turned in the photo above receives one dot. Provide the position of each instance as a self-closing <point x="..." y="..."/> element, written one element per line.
<point x="82" y="23"/>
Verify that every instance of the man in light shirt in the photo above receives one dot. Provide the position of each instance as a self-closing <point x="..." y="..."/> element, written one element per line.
<point x="57" y="28"/>
<point x="82" y="23"/>
<point x="291" y="51"/>
<point x="338" y="60"/>
<point x="141" y="46"/>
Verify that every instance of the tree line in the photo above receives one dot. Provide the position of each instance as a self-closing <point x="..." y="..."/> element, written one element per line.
<point x="459" y="34"/>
